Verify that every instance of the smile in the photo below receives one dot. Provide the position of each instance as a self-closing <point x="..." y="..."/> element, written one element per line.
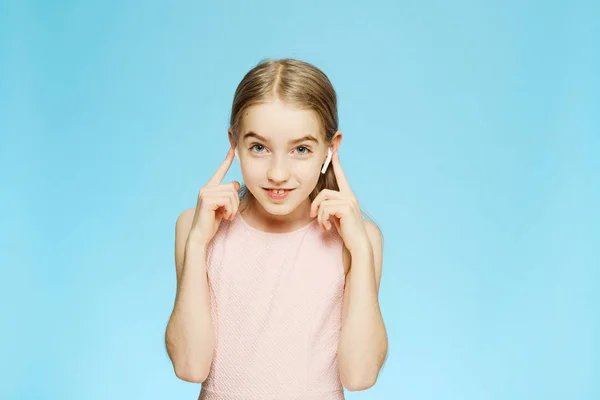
<point x="277" y="194"/>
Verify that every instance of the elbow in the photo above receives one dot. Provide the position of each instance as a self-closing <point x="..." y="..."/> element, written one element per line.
<point x="189" y="366"/>
<point x="191" y="374"/>
<point x="358" y="373"/>
<point x="359" y="382"/>
<point x="359" y="377"/>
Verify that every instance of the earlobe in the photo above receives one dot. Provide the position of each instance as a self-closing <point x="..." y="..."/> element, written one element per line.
<point x="327" y="161"/>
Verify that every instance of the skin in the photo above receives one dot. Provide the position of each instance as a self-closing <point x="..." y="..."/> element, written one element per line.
<point x="274" y="157"/>
<point x="273" y="160"/>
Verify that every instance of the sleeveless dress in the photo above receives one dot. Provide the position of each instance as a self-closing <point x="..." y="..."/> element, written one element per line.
<point x="276" y="305"/>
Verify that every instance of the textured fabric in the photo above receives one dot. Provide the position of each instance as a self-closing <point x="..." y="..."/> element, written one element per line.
<point x="276" y="304"/>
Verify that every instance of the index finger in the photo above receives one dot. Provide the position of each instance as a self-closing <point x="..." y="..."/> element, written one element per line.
<point x="339" y="174"/>
<point x="222" y="170"/>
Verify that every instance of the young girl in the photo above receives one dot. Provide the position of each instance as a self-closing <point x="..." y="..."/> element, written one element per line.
<point x="277" y="281"/>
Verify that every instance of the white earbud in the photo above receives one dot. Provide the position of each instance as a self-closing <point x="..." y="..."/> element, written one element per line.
<point x="327" y="161"/>
<point x="237" y="156"/>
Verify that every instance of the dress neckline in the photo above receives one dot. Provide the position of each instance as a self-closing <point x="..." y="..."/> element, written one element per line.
<point x="275" y="234"/>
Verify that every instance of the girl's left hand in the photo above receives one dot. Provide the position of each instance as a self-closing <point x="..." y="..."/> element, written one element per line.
<point x="343" y="206"/>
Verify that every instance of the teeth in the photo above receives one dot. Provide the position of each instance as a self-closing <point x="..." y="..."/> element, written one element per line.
<point x="278" y="191"/>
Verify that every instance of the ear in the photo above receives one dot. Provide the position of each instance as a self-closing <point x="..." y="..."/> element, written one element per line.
<point x="333" y="146"/>
<point x="232" y="142"/>
<point x="336" y="142"/>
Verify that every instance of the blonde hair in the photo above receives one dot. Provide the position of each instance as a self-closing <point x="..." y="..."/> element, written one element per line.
<point x="298" y="84"/>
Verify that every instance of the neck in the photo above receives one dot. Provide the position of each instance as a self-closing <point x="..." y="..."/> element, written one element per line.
<point x="259" y="218"/>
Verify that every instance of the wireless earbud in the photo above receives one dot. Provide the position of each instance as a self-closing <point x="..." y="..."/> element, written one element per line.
<point x="327" y="161"/>
<point x="237" y="156"/>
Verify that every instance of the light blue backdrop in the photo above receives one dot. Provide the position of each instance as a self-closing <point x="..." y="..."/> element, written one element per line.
<point x="472" y="135"/>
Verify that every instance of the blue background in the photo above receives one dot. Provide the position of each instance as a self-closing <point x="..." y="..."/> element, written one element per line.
<point x="472" y="136"/>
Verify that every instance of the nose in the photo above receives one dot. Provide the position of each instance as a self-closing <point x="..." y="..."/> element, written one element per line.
<point x="278" y="171"/>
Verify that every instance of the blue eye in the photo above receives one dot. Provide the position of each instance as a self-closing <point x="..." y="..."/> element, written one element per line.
<point x="257" y="147"/>
<point x="302" y="150"/>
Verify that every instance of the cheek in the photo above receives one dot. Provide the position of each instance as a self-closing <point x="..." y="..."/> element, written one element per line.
<point x="311" y="167"/>
<point x="309" y="172"/>
<point x="253" y="171"/>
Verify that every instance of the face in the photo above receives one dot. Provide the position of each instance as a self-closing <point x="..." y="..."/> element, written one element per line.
<point x="281" y="151"/>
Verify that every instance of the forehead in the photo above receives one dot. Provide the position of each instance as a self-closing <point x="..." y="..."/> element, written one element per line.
<point x="279" y="121"/>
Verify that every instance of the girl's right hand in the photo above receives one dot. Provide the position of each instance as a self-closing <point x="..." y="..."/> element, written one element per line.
<point x="215" y="202"/>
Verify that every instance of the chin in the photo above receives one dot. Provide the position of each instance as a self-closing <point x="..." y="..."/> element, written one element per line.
<point x="278" y="209"/>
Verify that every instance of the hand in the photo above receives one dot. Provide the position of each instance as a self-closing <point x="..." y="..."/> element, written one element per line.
<point x="215" y="202"/>
<point x="343" y="207"/>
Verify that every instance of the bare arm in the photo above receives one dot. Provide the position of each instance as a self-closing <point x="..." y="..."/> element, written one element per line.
<point x="362" y="346"/>
<point x="363" y="340"/>
<point x="190" y="337"/>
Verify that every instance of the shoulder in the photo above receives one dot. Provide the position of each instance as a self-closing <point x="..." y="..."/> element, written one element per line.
<point x="184" y="221"/>
<point x="186" y="215"/>
<point x="182" y="230"/>
<point x="374" y="234"/>
<point x="183" y="226"/>
<point x="376" y="239"/>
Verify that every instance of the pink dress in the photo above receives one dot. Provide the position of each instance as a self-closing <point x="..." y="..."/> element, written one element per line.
<point x="276" y="304"/>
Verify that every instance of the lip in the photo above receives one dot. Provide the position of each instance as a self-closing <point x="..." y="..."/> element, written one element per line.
<point x="277" y="197"/>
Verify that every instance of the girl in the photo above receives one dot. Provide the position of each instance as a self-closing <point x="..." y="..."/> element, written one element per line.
<point x="277" y="281"/>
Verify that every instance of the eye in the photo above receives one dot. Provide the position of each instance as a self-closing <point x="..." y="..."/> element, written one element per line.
<point x="257" y="147"/>
<point x="302" y="150"/>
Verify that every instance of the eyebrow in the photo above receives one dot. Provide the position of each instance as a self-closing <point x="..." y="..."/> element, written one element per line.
<point x="255" y="135"/>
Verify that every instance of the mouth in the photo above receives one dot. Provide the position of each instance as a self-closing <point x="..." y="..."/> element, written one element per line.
<point x="276" y="193"/>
